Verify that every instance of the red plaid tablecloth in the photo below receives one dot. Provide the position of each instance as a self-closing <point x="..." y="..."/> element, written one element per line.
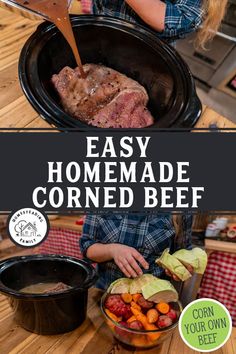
<point x="219" y="281"/>
<point x="61" y="241"/>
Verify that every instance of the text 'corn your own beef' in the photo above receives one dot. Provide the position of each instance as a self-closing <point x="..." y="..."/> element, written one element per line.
<point x="105" y="98"/>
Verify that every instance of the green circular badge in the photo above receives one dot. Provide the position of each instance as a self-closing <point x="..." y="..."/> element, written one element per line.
<point x="205" y="325"/>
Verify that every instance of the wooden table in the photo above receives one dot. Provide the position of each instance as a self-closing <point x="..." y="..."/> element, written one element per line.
<point x="93" y="336"/>
<point x="15" y="111"/>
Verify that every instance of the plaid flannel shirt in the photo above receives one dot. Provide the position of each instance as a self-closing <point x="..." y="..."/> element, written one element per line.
<point x="182" y="16"/>
<point x="149" y="234"/>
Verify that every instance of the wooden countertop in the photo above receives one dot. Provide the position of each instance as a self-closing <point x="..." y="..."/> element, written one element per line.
<point x="15" y="111"/>
<point x="93" y="336"/>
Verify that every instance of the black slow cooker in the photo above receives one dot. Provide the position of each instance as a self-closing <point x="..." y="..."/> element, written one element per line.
<point x="128" y="48"/>
<point x="49" y="313"/>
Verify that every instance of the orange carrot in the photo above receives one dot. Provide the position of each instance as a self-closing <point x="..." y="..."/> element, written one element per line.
<point x="143" y="319"/>
<point x="127" y="297"/>
<point x="154" y="336"/>
<point x="163" y="307"/>
<point x="131" y="319"/>
<point x="148" y="326"/>
<point x="135" y="311"/>
<point x="152" y="315"/>
<point x="139" y="341"/>
<point x="111" y="315"/>
<point x="136" y="297"/>
<point x="135" y="306"/>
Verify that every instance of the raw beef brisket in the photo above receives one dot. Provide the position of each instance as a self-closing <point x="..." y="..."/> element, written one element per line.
<point x="105" y="98"/>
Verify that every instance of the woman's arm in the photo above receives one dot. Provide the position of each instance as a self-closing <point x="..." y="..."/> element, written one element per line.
<point x="151" y="11"/>
<point x="89" y="234"/>
<point x="171" y="18"/>
<point x="99" y="252"/>
<point x="126" y="258"/>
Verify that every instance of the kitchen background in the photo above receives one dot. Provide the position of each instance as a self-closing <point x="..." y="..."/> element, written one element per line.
<point x="215" y="68"/>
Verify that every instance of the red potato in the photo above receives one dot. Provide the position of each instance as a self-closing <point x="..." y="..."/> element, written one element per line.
<point x="172" y="314"/>
<point x="164" y="321"/>
<point x="145" y="304"/>
<point x="116" y="305"/>
<point x="136" y="325"/>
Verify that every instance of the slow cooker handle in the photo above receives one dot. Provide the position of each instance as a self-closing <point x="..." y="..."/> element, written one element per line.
<point x="92" y="278"/>
<point x="8" y="261"/>
<point x="2" y="286"/>
<point x="193" y="112"/>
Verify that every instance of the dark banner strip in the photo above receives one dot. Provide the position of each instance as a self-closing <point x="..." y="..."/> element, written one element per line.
<point x="123" y="171"/>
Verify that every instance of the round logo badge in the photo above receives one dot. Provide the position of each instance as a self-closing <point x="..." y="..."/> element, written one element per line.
<point x="205" y="325"/>
<point x="28" y="227"/>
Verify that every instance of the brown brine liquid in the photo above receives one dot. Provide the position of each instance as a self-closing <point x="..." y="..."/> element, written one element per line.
<point x="56" y="11"/>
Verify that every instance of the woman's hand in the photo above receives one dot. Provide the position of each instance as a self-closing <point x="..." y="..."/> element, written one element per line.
<point x="128" y="259"/>
<point x="190" y="269"/>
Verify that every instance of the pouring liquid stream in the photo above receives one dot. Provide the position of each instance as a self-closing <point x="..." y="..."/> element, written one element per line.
<point x="56" y="11"/>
